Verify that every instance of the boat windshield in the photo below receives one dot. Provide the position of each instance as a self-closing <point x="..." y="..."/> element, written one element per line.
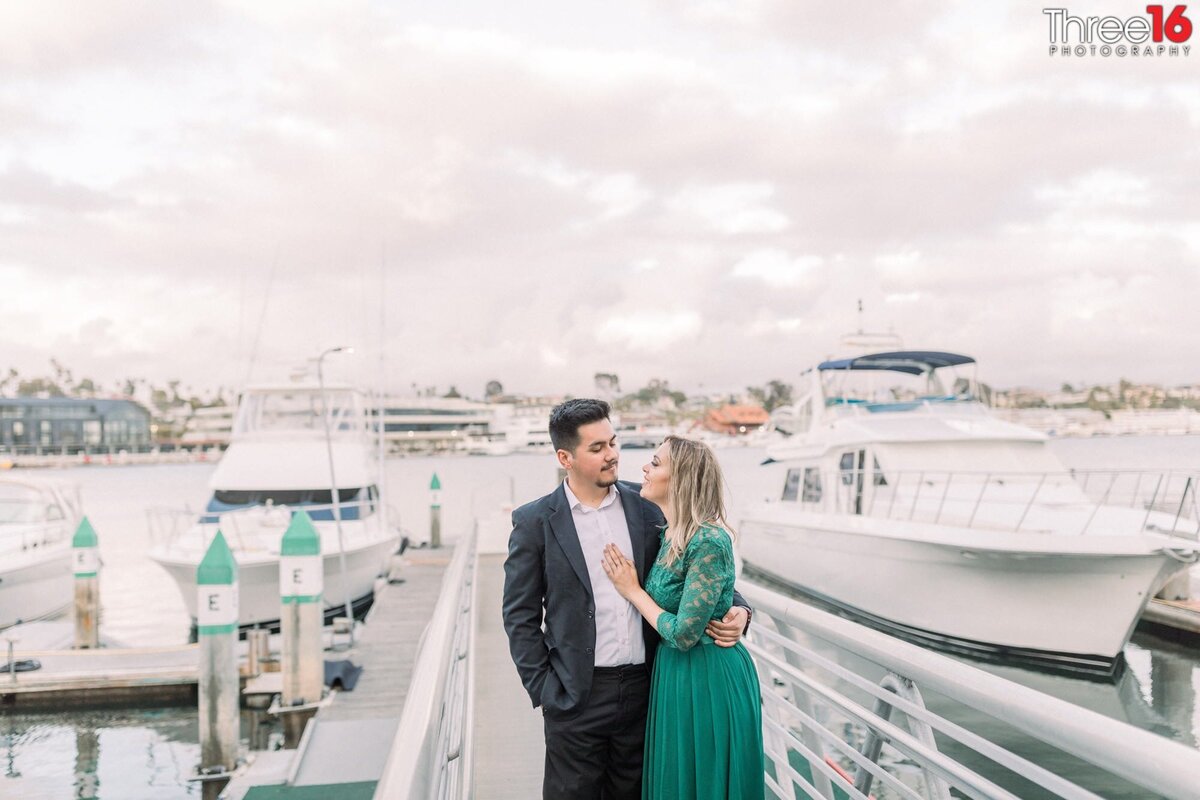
<point x="297" y="411"/>
<point x="353" y="503"/>
<point x="21" y="505"/>
<point x="884" y="390"/>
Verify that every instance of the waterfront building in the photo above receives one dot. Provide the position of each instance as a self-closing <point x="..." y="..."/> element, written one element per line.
<point x="735" y="419"/>
<point x="208" y="427"/>
<point x="432" y="423"/>
<point x="72" y="424"/>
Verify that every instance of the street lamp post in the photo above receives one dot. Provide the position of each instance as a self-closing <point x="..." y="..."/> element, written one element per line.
<point x="333" y="490"/>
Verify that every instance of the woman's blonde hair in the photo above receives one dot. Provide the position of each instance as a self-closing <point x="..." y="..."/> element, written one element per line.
<point x="695" y="493"/>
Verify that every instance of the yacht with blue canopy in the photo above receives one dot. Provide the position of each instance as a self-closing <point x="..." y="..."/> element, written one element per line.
<point x="900" y="499"/>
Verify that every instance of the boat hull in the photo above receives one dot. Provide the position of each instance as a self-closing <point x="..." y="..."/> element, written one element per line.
<point x="258" y="581"/>
<point x="1001" y="601"/>
<point x="36" y="585"/>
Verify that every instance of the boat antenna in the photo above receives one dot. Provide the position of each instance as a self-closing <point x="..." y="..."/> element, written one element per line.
<point x="334" y="495"/>
<point x="860" y="316"/>
<point x="262" y="318"/>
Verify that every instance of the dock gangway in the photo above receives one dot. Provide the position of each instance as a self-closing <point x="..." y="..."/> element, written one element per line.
<point x="848" y="712"/>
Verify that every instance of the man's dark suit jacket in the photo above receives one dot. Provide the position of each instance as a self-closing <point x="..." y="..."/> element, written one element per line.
<point x="545" y="570"/>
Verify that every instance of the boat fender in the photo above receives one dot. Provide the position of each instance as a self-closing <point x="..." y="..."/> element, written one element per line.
<point x="1182" y="556"/>
<point x="845" y="775"/>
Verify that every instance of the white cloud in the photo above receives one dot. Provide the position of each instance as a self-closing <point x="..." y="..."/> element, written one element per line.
<point x="1097" y="189"/>
<point x="650" y="331"/>
<point x="776" y="267"/>
<point x="552" y="357"/>
<point x="736" y="208"/>
<point x="619" y="195"/>
<point x="897" y="263"/>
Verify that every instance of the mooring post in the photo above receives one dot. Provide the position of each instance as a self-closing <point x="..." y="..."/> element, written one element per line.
<point x="85" y="560"/>
<point x="217" y="618"/>
<point x="258" y="651"/>
<point x="301" y="583"/>
<point x="12" y="658"/>
<point x="435" y="512"/>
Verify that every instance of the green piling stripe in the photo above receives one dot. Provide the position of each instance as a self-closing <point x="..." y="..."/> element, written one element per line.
<point x="214" y="630"/>
<point x="301" y="598"/>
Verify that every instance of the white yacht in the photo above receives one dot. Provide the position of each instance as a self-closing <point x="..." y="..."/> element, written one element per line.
<point x="37" y="520"/>
<point x="208" y="427"/>
<point x="279" y="462"/>
<point x="515" y="429"/>
<point x="914" y="509"/>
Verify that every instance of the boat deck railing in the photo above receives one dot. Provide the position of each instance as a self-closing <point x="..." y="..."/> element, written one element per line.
<point x="956" y="404"/>
<point x="23" y="538"/>
<point x="1063" y="501"/>
<point x="244" y="527"/>
<point x="848" y="712"/>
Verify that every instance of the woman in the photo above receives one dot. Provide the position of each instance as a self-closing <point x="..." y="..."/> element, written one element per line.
<point x="704" y="726"/>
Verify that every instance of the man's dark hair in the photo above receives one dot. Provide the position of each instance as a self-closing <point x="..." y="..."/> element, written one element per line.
<point x="567" y="418"/>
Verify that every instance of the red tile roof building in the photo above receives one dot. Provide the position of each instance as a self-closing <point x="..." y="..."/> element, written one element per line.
<point x="735" y="419"/>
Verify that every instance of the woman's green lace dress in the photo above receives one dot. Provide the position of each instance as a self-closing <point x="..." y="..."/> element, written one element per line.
<point x="704" y="725"/>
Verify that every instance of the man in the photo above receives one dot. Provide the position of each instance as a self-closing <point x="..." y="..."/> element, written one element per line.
<point x="581" y="649"/>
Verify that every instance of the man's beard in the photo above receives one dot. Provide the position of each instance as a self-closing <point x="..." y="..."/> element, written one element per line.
<point x="607" y="479"/>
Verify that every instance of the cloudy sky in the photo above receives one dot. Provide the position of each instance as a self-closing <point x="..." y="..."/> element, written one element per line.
<point x="536" y="191"/>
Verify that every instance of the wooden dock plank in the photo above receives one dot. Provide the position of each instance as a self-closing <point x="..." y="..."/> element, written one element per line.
<point x="102" y="677"/>
<point x="387" y="647"/>
<point x="509" y="748"/>
<point x="1174" y="615"/>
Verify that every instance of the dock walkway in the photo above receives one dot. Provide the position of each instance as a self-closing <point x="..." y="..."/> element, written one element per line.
<point x="348" y="741"/>
<point x="509" y="746"/>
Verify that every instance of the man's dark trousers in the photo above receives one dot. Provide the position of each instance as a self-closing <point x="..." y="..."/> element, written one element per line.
<point x="596" y="753"/>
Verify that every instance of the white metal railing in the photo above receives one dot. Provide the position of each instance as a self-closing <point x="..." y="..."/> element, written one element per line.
<point x="822" y="739"/>
<point x="1066" y="501"/>
<point x="431" y="754"/>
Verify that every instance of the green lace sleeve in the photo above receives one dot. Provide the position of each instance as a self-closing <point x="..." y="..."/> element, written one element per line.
<point x="709" y="573"/>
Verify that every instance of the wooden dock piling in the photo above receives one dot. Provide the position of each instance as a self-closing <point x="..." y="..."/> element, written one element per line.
<point x="435" y="512"/>
<point x="301" y="586"/>
<point x="217" y="611"/>
<point x="85" y="560"/>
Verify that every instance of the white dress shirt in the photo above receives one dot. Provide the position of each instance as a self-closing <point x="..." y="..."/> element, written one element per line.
<point x="618" y="623"/>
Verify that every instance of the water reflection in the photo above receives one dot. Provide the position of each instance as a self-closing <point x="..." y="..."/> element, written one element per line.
<point x="87" y="762"/>
<point x="111" y="755"/>
<point x="1174" y="673"/>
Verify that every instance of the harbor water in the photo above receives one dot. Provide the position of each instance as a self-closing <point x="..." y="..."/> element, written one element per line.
<point x="151" y="753"/>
